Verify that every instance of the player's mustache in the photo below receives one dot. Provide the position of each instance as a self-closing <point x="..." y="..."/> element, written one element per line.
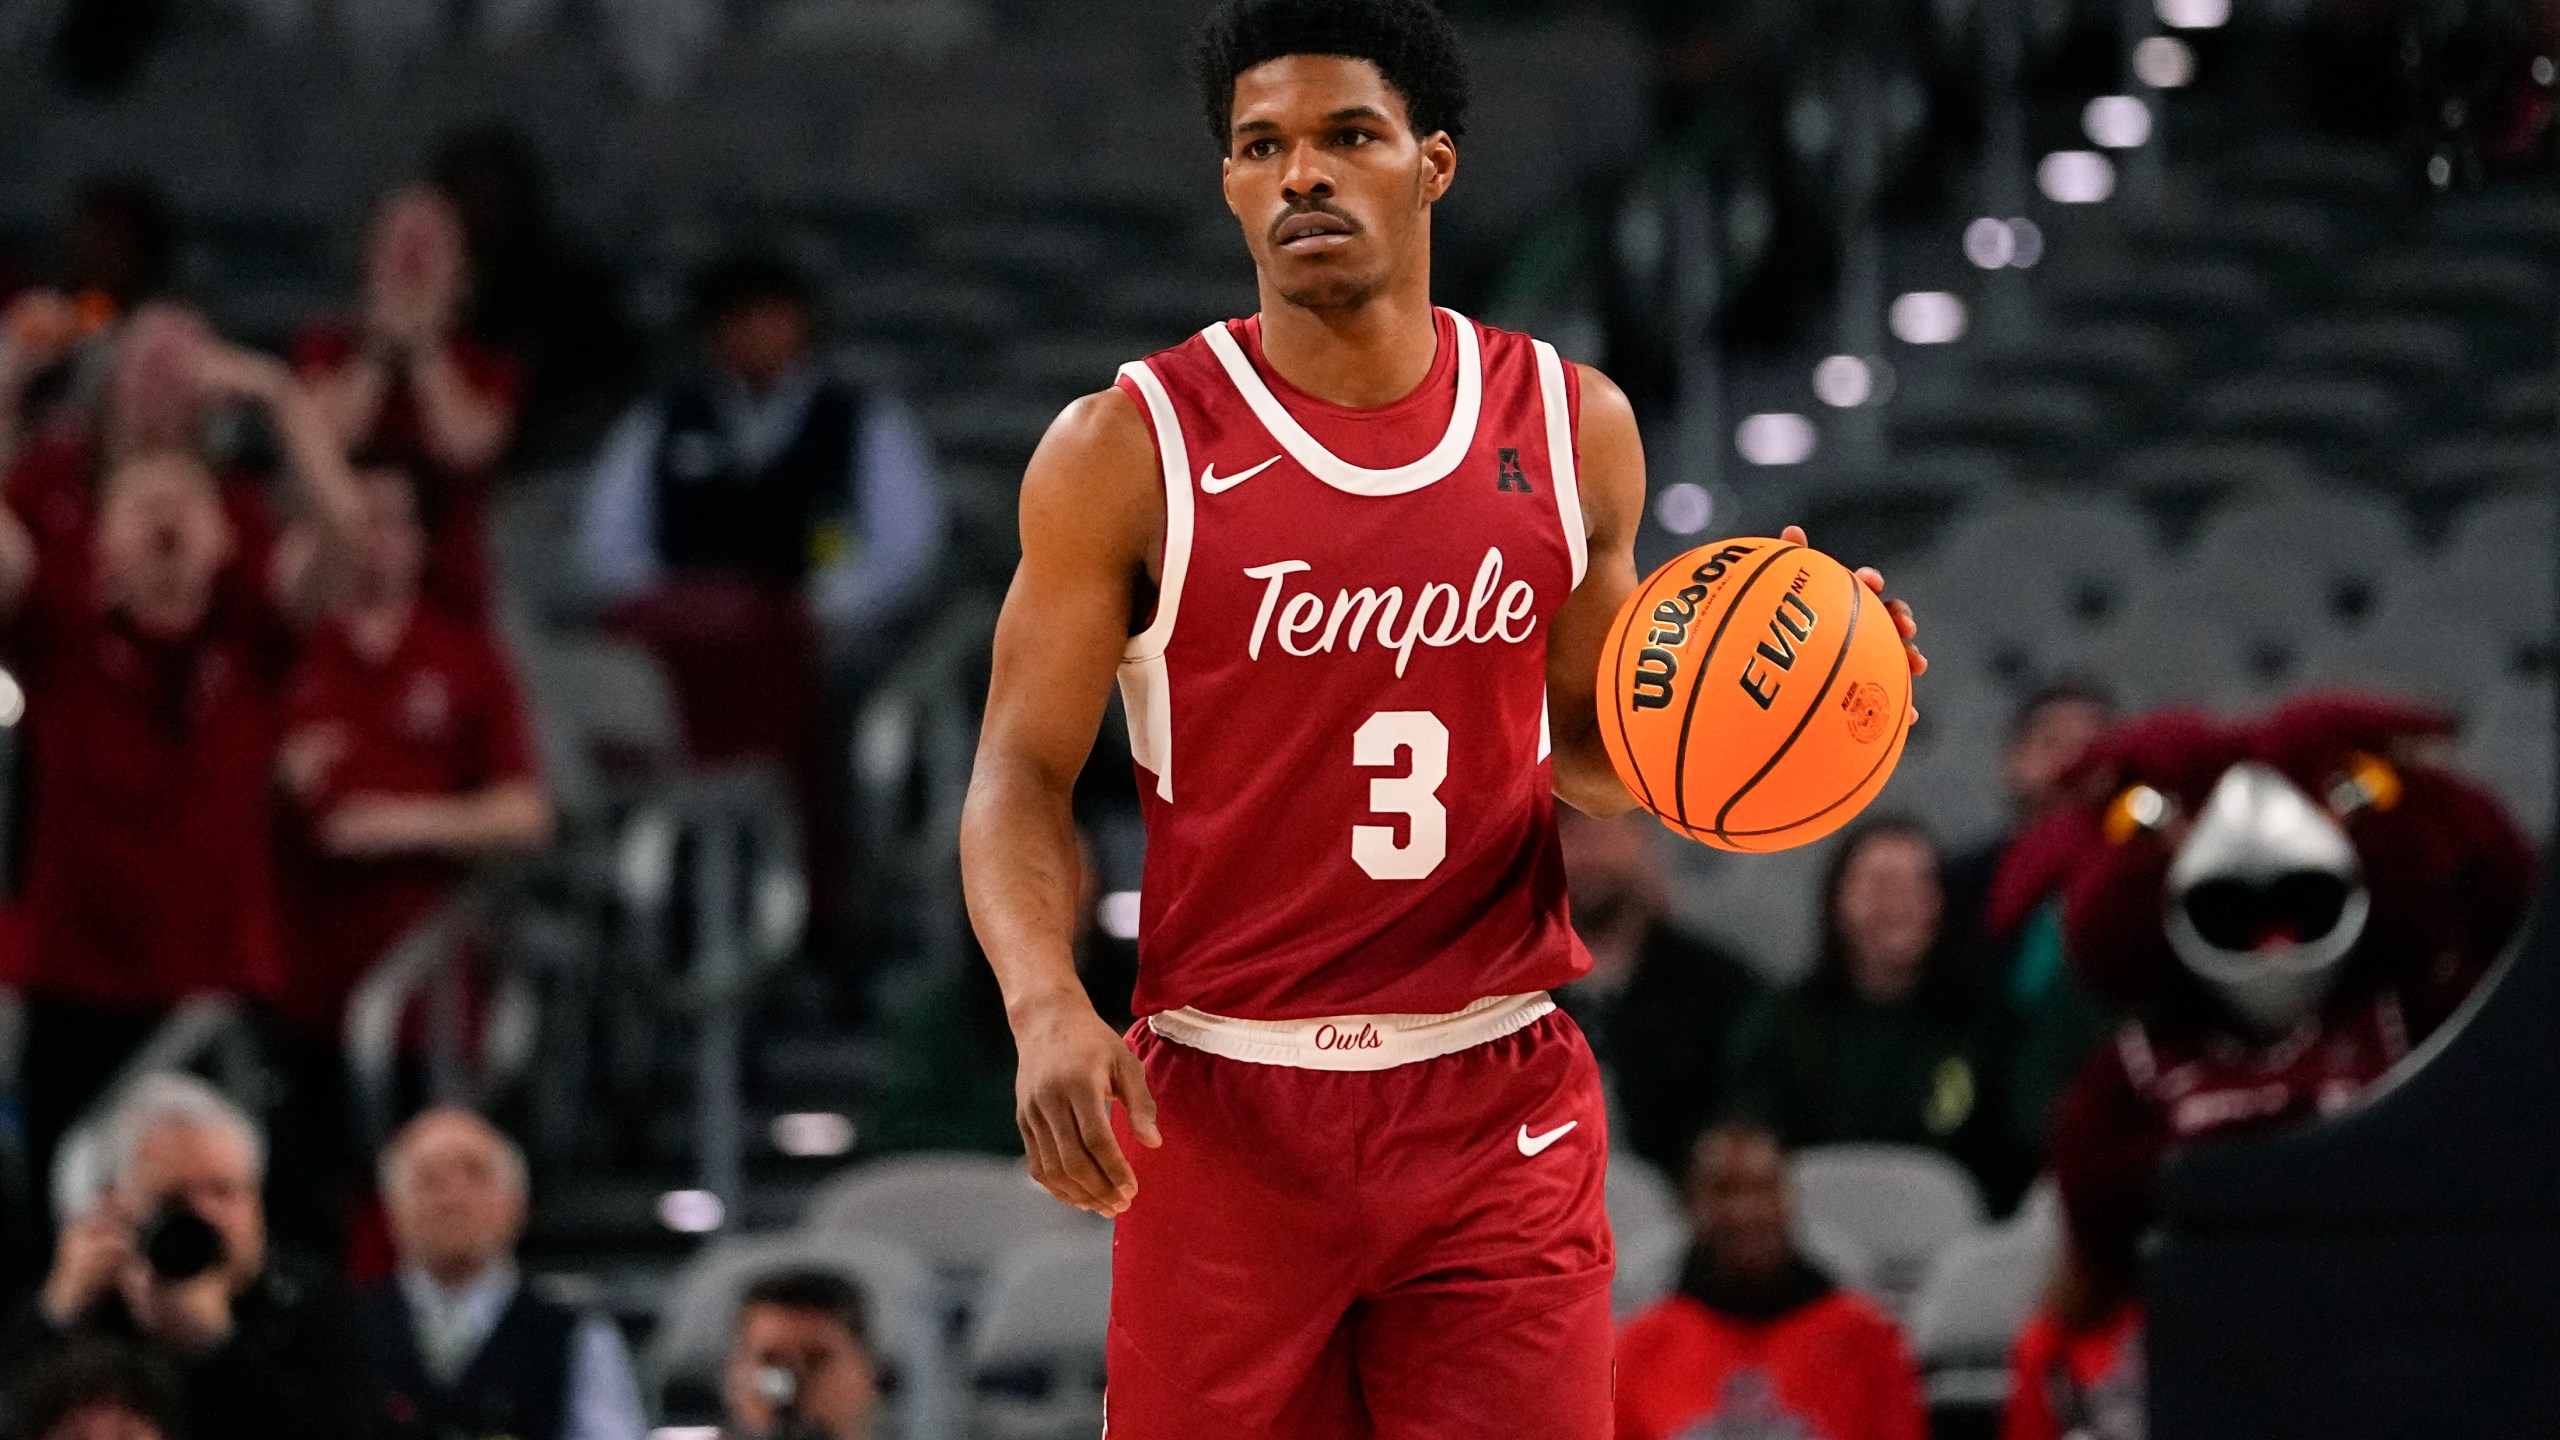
<point x="1312" y="205"/>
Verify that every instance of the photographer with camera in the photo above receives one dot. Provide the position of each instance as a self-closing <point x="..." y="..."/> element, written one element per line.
<point x="172" y="1257"/>
<point x="801" y="1365"/>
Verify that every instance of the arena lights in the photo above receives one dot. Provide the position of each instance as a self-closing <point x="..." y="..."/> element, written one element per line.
<point x="2543" y="70"/>
<point x="1775" y="437"/>
<point x="1926" y="317"/>
<point x="2194" y="14"/>
<point x="812" y="1135"/>
<point x="1116" y="914"/>
<point x="1993" y="244"/>
<point x="2164" y="62"/>
<point x="1684" y="509"/>
<point x="685" y="1432"/>
<point x="691" y="1212"/>
<point x="2076" y="177"/>
<point x="2116" y="122"/>
<point x="13" y="700"/>
<point x="1844" y="382"/>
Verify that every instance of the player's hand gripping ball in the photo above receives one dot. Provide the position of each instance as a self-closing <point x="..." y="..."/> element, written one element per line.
<point x="1754" y="694"/>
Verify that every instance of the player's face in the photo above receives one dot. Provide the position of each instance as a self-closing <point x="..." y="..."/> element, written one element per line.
<point x="1332" y="186"/>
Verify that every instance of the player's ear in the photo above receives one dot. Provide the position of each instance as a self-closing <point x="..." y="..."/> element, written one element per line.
<point x="1439" y="165"/>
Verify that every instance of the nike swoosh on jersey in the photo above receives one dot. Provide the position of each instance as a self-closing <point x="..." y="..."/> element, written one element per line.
<point x="1532" y="1144"/>
<point x="1213" y="483"/>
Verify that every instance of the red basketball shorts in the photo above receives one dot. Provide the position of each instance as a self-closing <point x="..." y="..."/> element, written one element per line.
<point x="1410" y="1253"/>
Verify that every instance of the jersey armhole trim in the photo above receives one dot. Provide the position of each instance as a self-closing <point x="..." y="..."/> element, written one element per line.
<point x="1174" y="460"/>
<point x="1560" y="457"/>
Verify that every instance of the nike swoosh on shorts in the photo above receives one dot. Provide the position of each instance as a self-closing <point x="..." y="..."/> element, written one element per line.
<point x="1532" y="1144"/>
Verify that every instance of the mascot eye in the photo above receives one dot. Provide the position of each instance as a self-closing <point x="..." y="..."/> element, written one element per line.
<point x="2135" y="809"/>
<point x="2368" y="781"/>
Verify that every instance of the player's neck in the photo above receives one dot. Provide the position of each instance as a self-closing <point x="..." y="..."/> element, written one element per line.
<point x="1365" y="355"/>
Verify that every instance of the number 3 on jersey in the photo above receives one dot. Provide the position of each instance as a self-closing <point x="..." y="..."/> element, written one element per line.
<point x="1414" y="794"/>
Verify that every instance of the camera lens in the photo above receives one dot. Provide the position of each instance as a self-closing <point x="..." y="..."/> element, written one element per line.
<point x="179" y="1244"/>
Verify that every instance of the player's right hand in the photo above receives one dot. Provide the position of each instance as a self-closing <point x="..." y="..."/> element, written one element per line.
<point x="1072" y="1066"/>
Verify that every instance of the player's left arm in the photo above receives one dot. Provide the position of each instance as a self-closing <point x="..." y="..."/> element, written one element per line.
<point x="1610" y="459"/>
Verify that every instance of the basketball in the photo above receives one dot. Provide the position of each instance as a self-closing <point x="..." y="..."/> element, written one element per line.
<point x="1754" y="695"/>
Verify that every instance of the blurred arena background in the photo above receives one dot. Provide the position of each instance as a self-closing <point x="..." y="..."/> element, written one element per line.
<point x="2196" y="351"/>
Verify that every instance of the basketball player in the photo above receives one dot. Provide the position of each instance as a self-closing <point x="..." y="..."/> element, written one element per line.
<point x="1352" y="560"/>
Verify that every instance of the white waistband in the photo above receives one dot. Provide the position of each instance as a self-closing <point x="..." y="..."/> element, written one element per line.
<point x="1351" y="1042"/>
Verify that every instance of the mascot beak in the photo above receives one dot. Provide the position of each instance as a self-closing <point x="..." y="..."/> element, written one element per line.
<point x="2265" y="898"/>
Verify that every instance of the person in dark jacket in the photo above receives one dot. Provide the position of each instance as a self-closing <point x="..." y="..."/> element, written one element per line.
<point x="96" y="1390"/>
<point x="459" y="1348"/>
<point x="170" y="1256"/>
<point x="1886" y="1041"/>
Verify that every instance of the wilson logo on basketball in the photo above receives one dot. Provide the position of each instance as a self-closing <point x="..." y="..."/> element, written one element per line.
<point x="1867" y="708"/>
<point x="1442" y="615"/>
<point x="1656" y="665"/>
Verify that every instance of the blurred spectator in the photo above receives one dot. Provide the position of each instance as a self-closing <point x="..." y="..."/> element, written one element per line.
<point x="743" y="511"/>
<point x="764" y="480"/>
<point x="96" y="1390"/>
<point x="405" y="759"/>
<point x="801" y="1366"/>
<point x="1757" y="1342"/>
<point x="407" y="380"/>
<point x="1659" y="1004"/>
<point x="152" y="641"/>
<point x="535" y="296"/>
<point x="2048" y="1021"/>
<point x="173" y="1256"/>
<point x="1884" y="1040"/>
<point x="2077" y="1369"/>
<point x="459" y="1345"/>
<point x="118" y="248"/>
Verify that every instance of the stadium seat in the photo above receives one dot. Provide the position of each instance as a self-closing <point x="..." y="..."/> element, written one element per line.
<point x="2123" y="356"/>
<point x="2530" y="401"/>
<point x="700" y="1314"/>
<point x="2509" y="535"/>
<point x="2282" y="232"/>
<point x="2485" y="284"/>
<point x="2171" y="650"/>
<point x="1901" y="1204"/>
<point x="2520" y="214"/>
<point x="2315" y="410"/>
<point x="2410" y="653"/>
<point x="1979" y="1292"/>
<point x="1763" y="906"/>
<point x="2350" y="176"/>
<point x="958" y="1212"/>
<point x="2351" y="551"/>
<point x="2049" y="417"/>
<point x="2207" y="467"/>
<point x="601" y="707"/>
<point x="2385" y="347"/>
<point x="1036" y="1351"/>
<point x="2479" y="462"/>
<point x="2023" y="572"/>
<point x="2510" y="746"/>
<point x="2203" y="294"/>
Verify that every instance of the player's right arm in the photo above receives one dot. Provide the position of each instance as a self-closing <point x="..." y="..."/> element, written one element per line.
<point x="1092" y="528"/>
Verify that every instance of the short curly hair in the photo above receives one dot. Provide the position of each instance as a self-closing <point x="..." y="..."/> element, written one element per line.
<point x="1410" y="41"/>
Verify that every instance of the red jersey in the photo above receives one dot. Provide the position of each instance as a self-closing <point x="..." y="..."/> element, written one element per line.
<point x="440" y="715"/>
<point x="1832" y="1369"/>
<point x="148" y="874"/>
<point x="1338" y="710"/>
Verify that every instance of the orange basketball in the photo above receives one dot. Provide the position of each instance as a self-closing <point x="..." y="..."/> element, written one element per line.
<point x="1754" y="695"/>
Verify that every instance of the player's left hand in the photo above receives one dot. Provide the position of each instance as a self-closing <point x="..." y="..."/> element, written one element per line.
<point x="1903" y="620"/>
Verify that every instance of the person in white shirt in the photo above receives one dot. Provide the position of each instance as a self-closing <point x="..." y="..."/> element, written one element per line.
<point x="460" y="1346"/>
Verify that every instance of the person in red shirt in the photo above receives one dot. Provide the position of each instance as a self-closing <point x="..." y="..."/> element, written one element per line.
<point x="405" y="758"/>
<point x="1757" y="1344"/>
<point x="407" y="379"/>
<point x="2076" y="1371"/>
<point x="151" y="638"/>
